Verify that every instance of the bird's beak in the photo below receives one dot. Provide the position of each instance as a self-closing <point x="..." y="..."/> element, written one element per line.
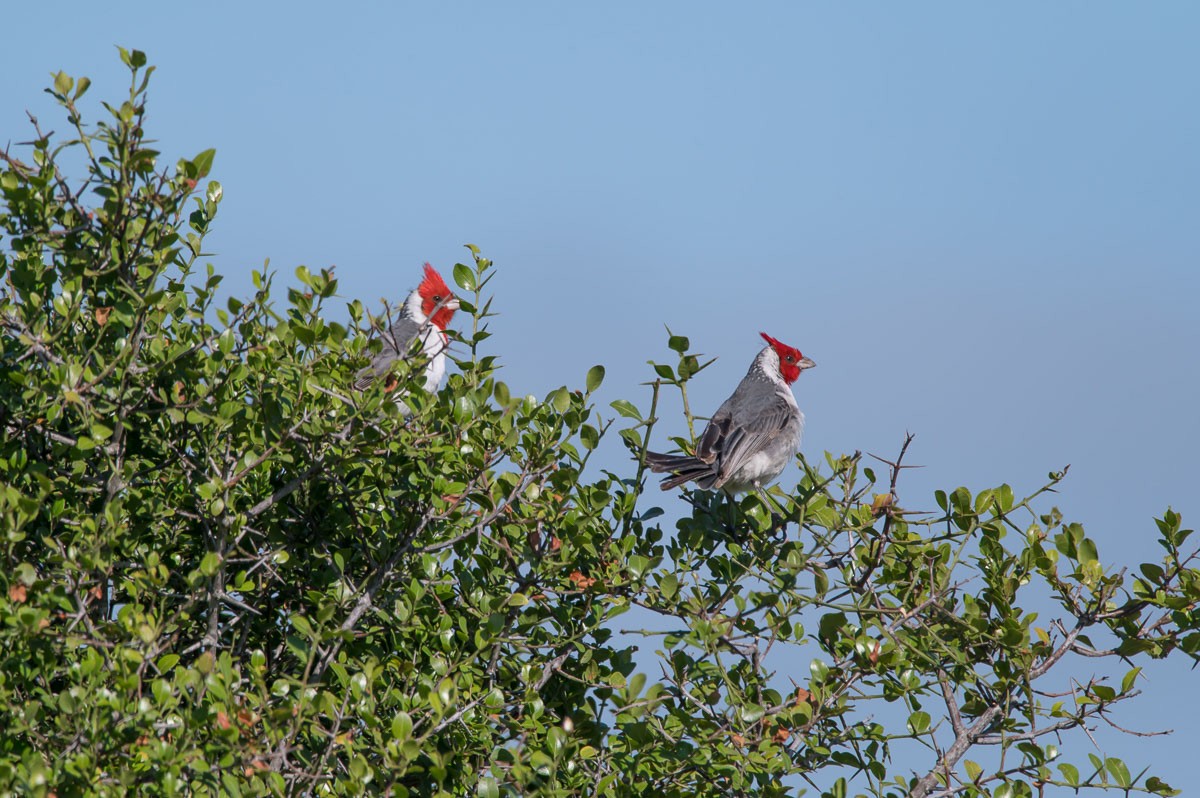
<point x="451" y="304"/>
<point x="806" y="363"/>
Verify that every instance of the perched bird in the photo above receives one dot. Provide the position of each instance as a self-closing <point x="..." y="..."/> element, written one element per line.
<point x="753" y="435"/>
<point x="424" y="315"/>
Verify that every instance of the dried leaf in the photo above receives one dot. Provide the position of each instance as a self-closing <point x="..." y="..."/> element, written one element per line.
<point x="581" y="581"/>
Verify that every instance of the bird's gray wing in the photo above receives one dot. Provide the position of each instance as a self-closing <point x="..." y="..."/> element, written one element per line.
<point x="731" y="438"/>
<point x="397" y="341"/>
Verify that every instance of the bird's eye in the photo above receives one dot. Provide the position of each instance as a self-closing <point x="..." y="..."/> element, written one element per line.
<point x="437" y="297"/>
<point x="791" y="359"/>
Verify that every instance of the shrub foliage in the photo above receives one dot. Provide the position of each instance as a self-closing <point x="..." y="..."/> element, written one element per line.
<point x="225" y="571"/>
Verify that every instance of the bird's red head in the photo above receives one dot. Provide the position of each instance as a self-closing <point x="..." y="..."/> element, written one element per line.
<point x="437" y="301"/>
<point x="791" y="361"/>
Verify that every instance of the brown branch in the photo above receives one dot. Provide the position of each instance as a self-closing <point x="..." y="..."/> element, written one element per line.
<point x="1058" y="653"/>
<point x="956" y="721"/>
<point x="962" y="743"/>
<point x="879" y="546"/>
<point x="1123" y="730"/>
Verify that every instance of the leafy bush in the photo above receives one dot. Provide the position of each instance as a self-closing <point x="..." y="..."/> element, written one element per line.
<point x="224" y="571"/>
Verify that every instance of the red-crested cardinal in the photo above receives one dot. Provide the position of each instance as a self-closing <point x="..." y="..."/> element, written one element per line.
<point x="424" y="315"/>
<point x="753" y="435"/>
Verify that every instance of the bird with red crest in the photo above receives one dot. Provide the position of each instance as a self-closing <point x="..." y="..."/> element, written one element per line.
<point x="424" y="316"/>
<point x="753" y="435"/>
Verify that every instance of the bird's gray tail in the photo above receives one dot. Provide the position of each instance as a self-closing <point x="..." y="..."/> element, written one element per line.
<point x="682" y="469"/>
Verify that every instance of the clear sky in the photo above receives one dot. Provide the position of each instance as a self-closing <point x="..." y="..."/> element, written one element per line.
<point x="981" y="220"/>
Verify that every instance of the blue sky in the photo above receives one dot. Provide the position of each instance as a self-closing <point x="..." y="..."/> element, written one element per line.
<point x="982" y="221"/>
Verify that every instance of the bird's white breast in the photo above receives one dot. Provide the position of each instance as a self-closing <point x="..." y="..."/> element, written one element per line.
<point x="433" y="344"/>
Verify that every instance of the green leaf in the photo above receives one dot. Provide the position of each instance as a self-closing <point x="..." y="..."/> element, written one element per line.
<point x="820" y="584"/>
<point x="1159" y="787"/>
<point x="446" y="692"/>
<point x="1004" y="497"/>
<point x="595" y="376"/>
<point x="961" y="500"/>
<point x="626" y="409"/>
<point x="679" y="343"/>
<point x="589" y="436"/>
<point x="210" y="563"/>
<point x="464" y="277"/>
<point x="63" y="83"/>
<point x="301" y="625"/>
<point x="1070" y="774"/>
<point x="974" y="771"/>
<point x="632" y="439"/>
<point x="560" y="399"/>
<point x="918" y="722"/>
<point x="652" y="513"/>
<point x="501" y="394"/>
<point x="663" y="371"/>
<point x="402" y="726"/>
<point x="204" y="162"/>
<point x="1119" y="771"/>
